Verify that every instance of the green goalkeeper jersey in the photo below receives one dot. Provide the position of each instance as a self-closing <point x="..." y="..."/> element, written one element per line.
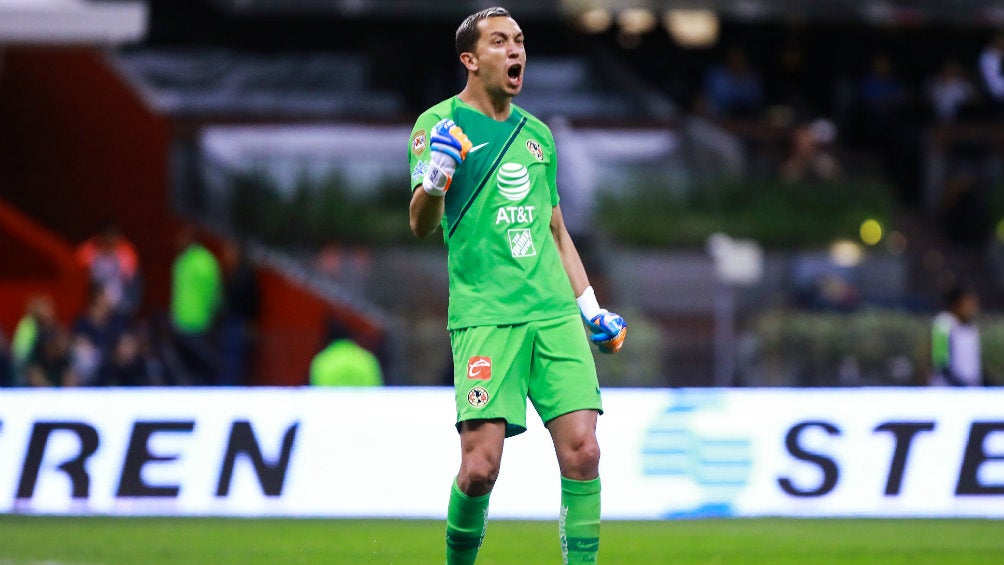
<point x="503" y="262"/>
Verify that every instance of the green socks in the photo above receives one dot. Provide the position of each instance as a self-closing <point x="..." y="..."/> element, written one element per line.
<point x="578" y="524"/>
<point x="579" y="521"/>
<point x="465" y="526"/>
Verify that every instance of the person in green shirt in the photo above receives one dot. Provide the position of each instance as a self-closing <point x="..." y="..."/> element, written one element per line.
<point x="955" y="340"/>
<point x="344" y="362"/>
<point x="485" y="170"/>
<point x="196" y="295"/>
<point x="38" y="324"/>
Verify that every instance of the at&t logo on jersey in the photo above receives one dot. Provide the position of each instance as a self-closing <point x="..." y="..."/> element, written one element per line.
<point x="513" y="181"/>
<point x="479" y="368"/>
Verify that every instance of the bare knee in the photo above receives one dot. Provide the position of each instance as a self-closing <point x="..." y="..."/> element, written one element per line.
<point x="478" y="473"/>
<point x="580" y="459"/>
<point x="480" y="455"/>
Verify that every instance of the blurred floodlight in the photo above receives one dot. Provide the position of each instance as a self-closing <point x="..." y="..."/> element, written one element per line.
<point x="1000" y="230"/>
<point x="871" y="231"/>
<point x="692" y="28"/>
<point x="636" y="21"/>
<point x="846" y="253"/>
<point x="596" y="20"/>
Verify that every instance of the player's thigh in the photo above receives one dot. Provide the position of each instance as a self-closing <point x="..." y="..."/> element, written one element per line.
<point x="563" y="373"/>
<point x="490" y="369"/>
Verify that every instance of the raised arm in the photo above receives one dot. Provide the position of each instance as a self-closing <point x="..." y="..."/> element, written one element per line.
<point x="449" y="146"/>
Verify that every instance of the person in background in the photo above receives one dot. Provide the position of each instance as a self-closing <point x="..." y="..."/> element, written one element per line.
<point x="241" y="305"/>
<point x="734" y="88"/>
<point x="37" y="324"/>
<point x="50" y="362"/>
<point x="810" y="159"/>
<point x="955" y="341"/>
<point x="112" y="264"/>
<point x="992" y="73"/>
<point x="95" y="335"/>
<point x="343" y="362"/>
<point x="6" y="363"/>
<point x="132" y="362"/>
<point x="950" y="92"/>
<point x="196" y="297"/>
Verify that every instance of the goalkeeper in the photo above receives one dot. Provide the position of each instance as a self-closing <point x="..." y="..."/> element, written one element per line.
<point x="484" y="169"/>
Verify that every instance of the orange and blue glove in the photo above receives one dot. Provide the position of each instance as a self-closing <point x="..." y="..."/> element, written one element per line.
<point x="607" y="330"/>
<point x="449" y="145"/>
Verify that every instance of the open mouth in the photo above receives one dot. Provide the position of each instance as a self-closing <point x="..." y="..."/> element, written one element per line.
<point x="515" y="73"/>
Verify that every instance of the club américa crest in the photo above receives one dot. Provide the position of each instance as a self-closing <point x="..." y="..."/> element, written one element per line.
<point x="477" y="396"/>
<point x="533" y="146"/>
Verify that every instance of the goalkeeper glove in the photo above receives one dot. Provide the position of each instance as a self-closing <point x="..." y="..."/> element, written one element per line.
<point x="449" y="145"/>
<point x="608" y="329"/>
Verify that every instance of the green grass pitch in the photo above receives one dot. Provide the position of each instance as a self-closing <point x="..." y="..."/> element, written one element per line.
<point x="41" y="540"/>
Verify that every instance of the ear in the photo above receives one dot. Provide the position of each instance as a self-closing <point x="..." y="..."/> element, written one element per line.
<point x="470" y="61"/>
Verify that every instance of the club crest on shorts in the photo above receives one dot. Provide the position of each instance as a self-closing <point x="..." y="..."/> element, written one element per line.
<point x="533" y="146"/>
<point x="478" y="396"/>
<point x="418" y="142"/>
<point x="479" y="368"/>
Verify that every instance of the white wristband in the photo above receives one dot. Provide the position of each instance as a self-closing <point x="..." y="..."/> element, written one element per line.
<point x="439" y="174"/>
<point x="436" y="180"/>
<point x="588" y="305"/>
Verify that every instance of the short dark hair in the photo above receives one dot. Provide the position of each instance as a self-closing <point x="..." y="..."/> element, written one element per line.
<point x="957" y="292"/>
<point x="468" y="34"/>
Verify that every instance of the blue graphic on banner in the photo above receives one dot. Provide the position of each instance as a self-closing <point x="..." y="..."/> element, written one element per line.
<point x="718" y="466"/>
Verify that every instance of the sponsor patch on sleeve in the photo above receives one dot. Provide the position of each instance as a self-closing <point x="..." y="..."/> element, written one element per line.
<point x="418" y="142"/>
<point x="418" y="173"/>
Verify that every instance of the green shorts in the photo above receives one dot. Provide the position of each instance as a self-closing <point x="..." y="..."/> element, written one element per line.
<point x="496" y="368"/>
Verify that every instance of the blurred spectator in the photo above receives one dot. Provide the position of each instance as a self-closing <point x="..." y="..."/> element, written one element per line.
<point x="733" y="88"/>
<point x="819" y="283"/>
<point x="112" y="263"/>
<point x="810" y="158"/>
<point x="49" y="362"/>
<point x="884" y="98"/>
<point x="38" y="322"/>
<point x="950" y="92"/>
<point x="348" y="265"/>
<point x="6" y="363"/>
<point x="95" y="335"/>
<point x="965" y="194"/>
<point x="196" y="296"/>
<point x="955" y="341"/>
<point x="887" y="122"/>
<point x="132" y="363"/>
<point x="991" y="73"/>
<point x="241" y="305"/>
<point x="344" y="362"/>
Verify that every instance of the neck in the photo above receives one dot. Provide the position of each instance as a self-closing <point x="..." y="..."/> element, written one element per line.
<point x="495" y="107"/>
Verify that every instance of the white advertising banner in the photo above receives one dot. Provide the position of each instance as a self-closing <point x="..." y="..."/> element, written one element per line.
<point x="393" y="452"/>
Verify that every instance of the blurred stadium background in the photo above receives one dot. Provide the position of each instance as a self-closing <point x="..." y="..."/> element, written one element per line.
<point x="846" y="193"/>
<point x="277" y="124"/>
